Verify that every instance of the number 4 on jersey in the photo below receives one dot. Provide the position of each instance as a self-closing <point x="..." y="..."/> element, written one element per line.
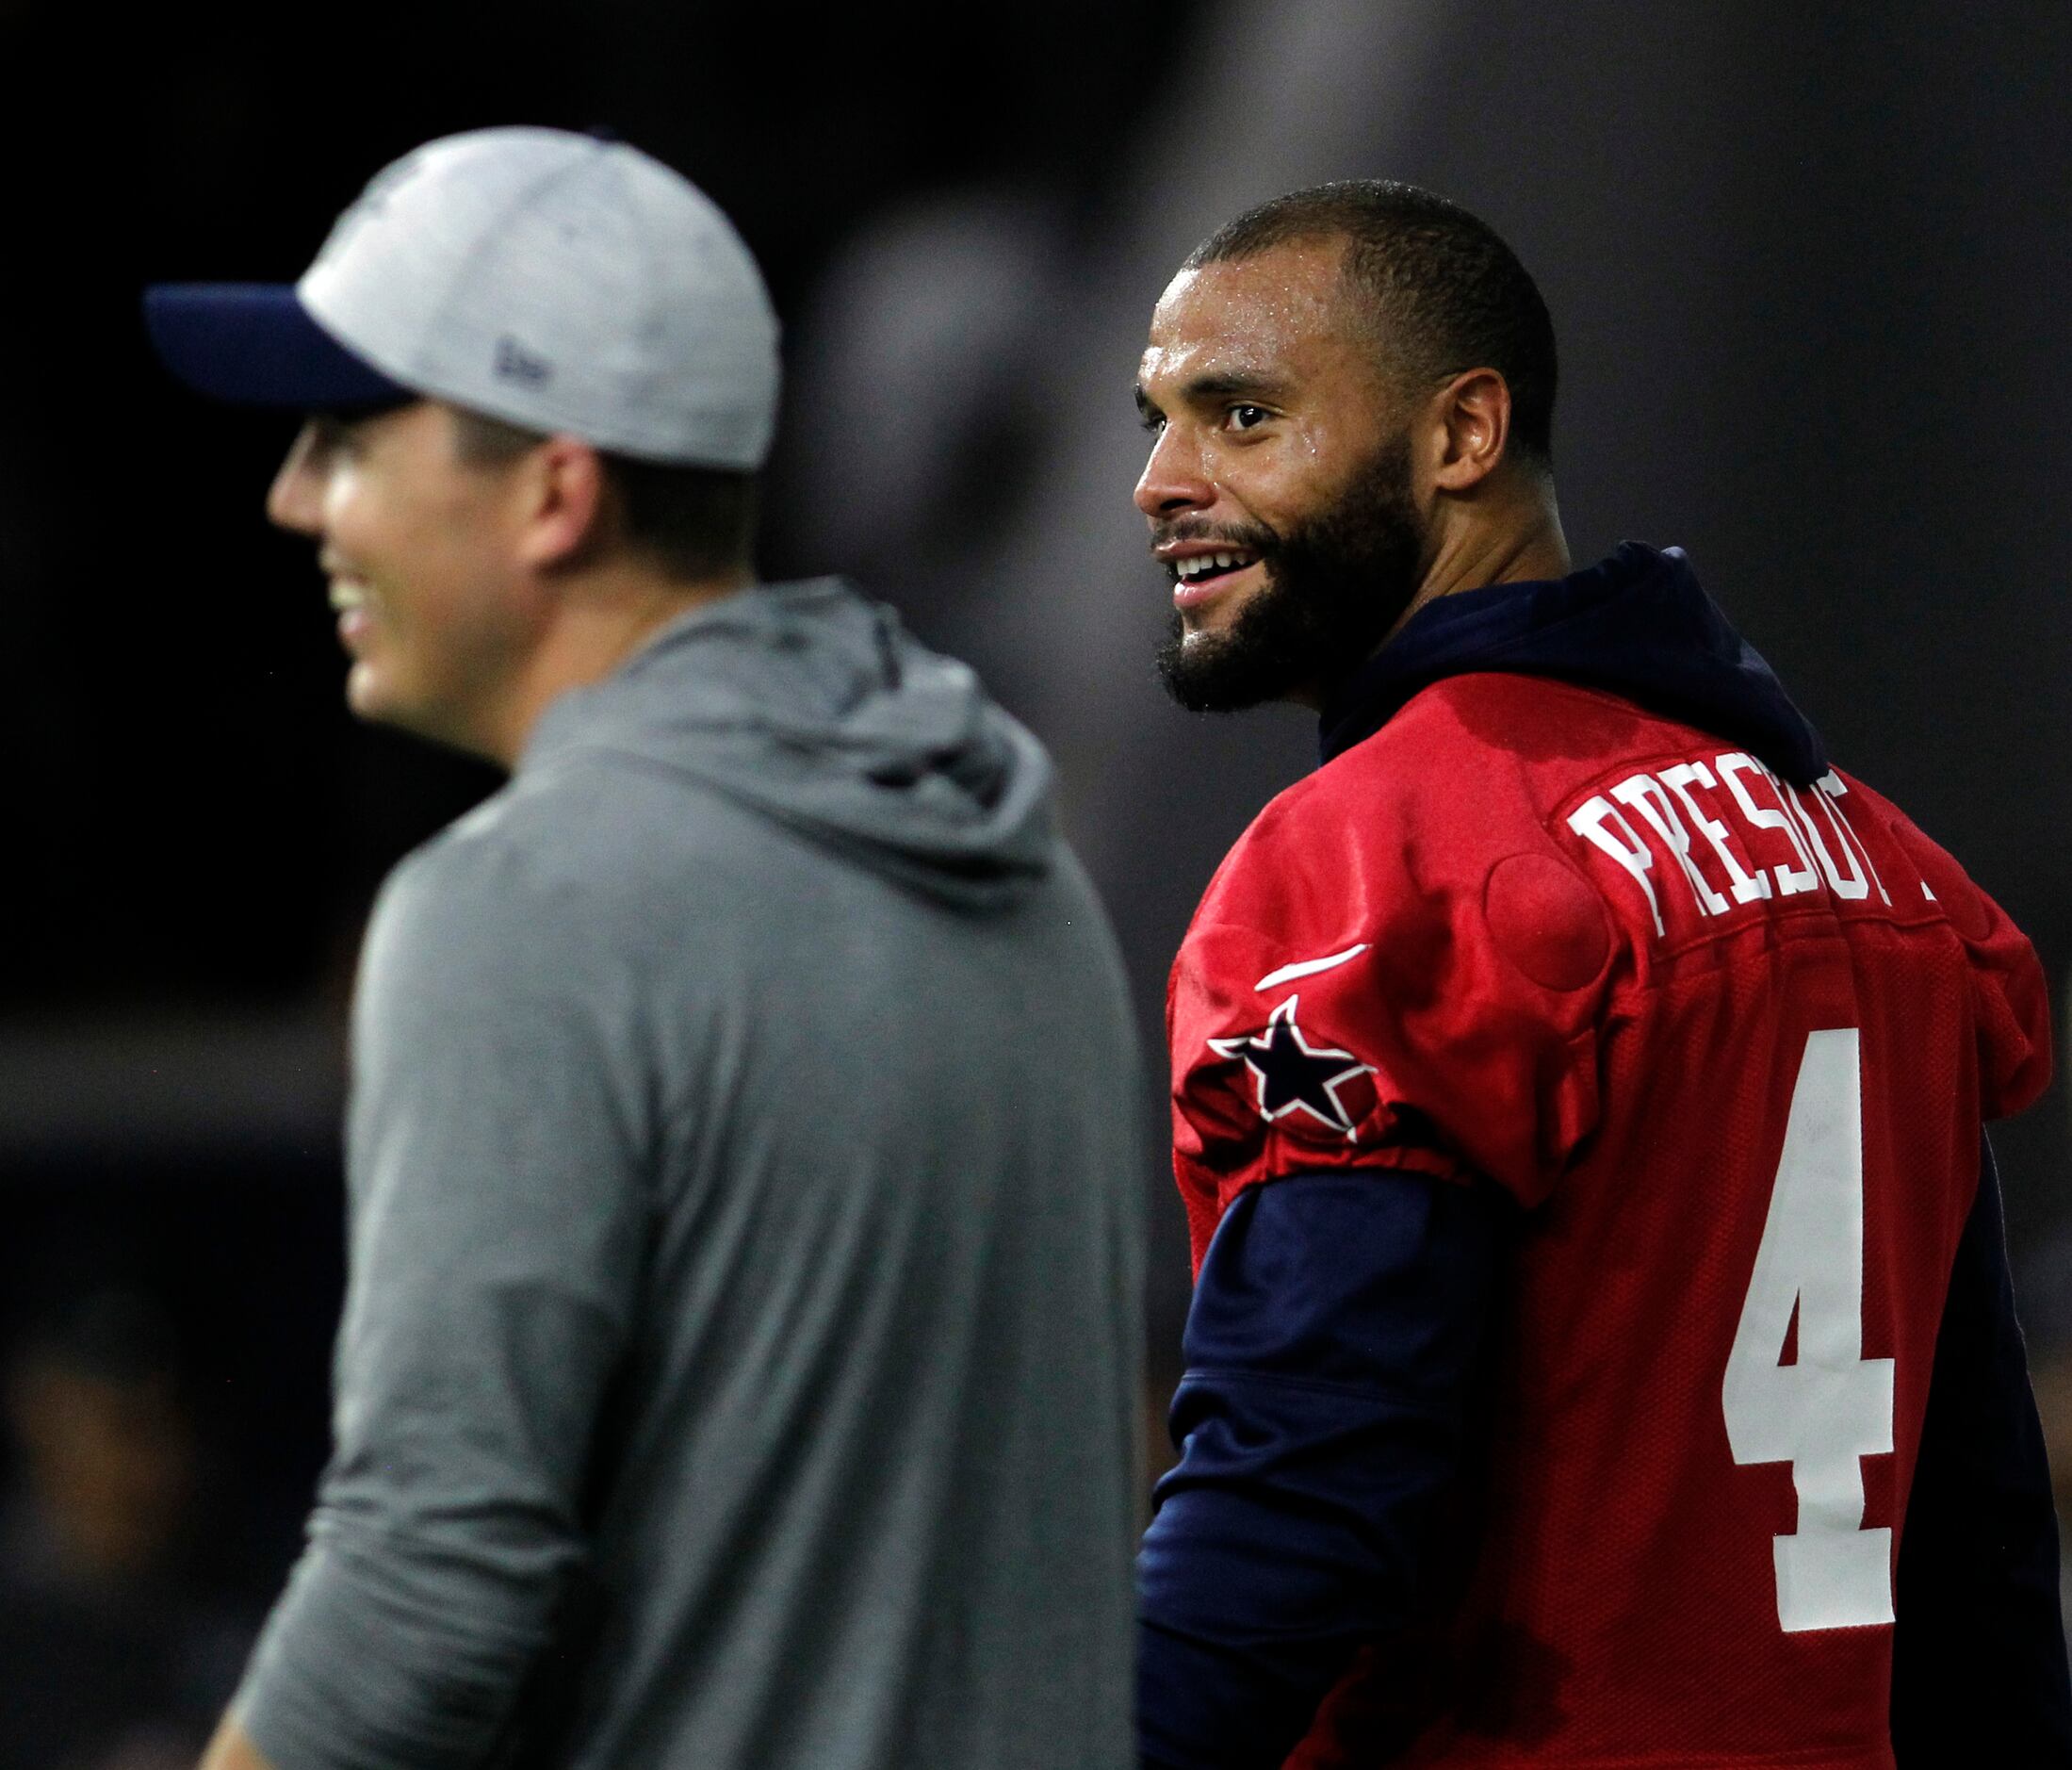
<point x="1833" y="1405"/>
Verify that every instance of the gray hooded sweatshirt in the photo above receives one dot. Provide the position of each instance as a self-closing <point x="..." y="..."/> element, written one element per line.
<point x="737" y="1367"/>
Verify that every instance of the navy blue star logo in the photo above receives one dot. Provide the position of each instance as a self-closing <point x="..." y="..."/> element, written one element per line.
<point x="1293" y="1075"/>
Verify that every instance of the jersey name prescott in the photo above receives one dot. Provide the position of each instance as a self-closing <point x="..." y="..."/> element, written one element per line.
<point x="1775" y="823"/>
<point x="1726" y="1040"/>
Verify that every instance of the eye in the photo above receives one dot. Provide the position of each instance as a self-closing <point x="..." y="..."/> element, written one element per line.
<point x="329" y="436"/>
<point x="1248" y="417"/>
<point x="1152" y="419"/>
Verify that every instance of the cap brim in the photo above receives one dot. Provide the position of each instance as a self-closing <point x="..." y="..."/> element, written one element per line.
<point x="255" y="344"/>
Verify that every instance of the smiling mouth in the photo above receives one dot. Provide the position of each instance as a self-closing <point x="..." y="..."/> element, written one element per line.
<point x="1204" y="570"/>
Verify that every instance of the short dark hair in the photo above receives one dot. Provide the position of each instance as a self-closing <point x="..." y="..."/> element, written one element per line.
<point x="1442" y="289"/>
<point x="694" y="522"/>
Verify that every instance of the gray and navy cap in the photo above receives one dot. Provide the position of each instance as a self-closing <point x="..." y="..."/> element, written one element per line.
<point x="559" y="282"/>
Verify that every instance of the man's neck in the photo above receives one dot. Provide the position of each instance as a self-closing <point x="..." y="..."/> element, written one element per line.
<point x="601" y="624"/>
<point x="1475" y="556"/>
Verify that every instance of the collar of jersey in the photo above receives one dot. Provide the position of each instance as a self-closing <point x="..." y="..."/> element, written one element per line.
<point x="1636" y="624"/>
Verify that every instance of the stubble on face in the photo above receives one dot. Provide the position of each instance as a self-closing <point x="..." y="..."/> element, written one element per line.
<point x="1335" y="586"/>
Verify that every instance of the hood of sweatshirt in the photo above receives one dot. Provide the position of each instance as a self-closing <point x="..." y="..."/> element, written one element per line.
<point x="1636" y="625"/>
<point x="812" y="705"/>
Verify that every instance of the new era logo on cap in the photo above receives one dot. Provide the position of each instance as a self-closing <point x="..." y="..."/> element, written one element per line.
<point x="515" y="363"/>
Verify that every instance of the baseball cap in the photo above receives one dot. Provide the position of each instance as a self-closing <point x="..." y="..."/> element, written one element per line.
<point x="561" y="282"/>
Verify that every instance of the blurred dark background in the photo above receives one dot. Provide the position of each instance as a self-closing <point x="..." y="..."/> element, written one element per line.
<point x="1808" y="263"/>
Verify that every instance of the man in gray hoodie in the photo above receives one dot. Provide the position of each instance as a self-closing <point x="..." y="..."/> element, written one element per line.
<point x="738" y="1361"/>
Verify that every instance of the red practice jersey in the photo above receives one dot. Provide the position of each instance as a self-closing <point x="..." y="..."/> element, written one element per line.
<point x="1728" y="1044"/>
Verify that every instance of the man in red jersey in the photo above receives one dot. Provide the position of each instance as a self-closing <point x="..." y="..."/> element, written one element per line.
<point x="1602" y="1350"/>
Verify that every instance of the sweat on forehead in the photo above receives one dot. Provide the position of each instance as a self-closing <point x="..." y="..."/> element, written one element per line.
<point x="1257" y="324"/>
<point x="1302" y="282"/>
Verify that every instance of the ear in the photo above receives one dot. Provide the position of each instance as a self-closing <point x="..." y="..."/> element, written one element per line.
<point x="1472" y="421"/>
<point x="563" y="493"/>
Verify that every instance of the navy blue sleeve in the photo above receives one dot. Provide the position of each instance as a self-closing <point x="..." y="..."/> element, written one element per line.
<point x="1979" y="1655"/>
<point x="1329" y="1352"/>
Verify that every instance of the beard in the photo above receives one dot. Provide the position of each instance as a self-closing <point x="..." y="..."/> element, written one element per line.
<point x="1335" y="586"/>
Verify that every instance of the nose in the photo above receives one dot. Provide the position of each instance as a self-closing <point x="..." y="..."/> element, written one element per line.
<point x="1172" y="482"/>
<point x="296" y="498"/>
